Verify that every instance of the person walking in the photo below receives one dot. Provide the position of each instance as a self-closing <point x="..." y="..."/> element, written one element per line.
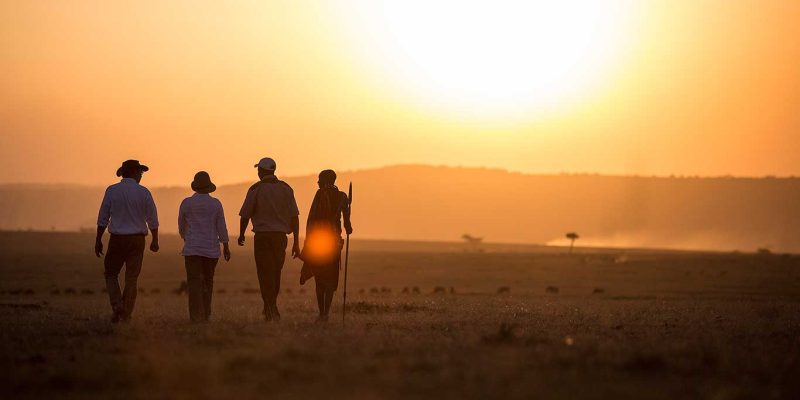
<point x="127" y="210"/>
<point x="322" y="250"/>
<point x="201" y="224"/>
<point x="271" y="205"/>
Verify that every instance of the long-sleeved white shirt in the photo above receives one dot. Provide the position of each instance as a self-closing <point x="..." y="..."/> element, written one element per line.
<point x="201" y="223"/>
<point x="128" y="209"/>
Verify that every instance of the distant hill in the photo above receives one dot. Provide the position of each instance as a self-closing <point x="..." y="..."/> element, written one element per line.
<point x="415" y="202"/>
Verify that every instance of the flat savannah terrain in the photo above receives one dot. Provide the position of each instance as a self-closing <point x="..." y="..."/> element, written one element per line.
<point x="510" y="322"/>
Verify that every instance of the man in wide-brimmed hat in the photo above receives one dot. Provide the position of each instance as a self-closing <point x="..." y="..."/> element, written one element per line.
<point x="201" y="224"/>
<point x="271" y="205"/>
<point x="127" y="210"/>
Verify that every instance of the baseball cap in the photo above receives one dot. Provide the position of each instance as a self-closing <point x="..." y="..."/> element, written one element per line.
<point x="266" y="163"/>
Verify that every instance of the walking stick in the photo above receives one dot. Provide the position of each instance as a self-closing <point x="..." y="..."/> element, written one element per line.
<point x="346" y="256"/>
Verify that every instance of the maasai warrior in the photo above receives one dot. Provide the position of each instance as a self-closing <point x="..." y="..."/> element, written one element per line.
<point x="322" y="250"/>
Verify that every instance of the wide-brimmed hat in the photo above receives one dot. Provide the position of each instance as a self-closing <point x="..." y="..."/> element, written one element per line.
<point x="202" y="183"/>
<point x="131" y="165"/>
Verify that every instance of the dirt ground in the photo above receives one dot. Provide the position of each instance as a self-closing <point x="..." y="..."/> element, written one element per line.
<point x="508" y="322"/>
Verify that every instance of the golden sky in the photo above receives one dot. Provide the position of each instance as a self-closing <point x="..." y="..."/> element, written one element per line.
<point x="685" y="87"/>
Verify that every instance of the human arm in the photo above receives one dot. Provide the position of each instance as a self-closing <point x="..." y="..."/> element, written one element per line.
<point x="98" y="242"/>
<point x="154" y="241"/>
<point x="348" y="226"/>
<point x="243" y="222"/>
<point x="182" y="220"/>
<point x="222" y="232"/>
<point x="246" y="212"/>
<point x="103" y="218"/>
<point x="151" y="217"/>
<point x="295" y="225"/>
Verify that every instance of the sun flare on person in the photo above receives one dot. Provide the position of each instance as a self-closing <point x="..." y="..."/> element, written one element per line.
<point x="489" y="58"/>
<point x="321" y="245"/>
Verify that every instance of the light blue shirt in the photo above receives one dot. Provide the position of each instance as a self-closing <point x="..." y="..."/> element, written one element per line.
<point x="128" y="209"/>
<point x="201" y="224"/>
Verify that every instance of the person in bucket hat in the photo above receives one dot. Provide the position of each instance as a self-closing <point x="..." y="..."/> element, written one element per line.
<point x="127" y="211"/>
<point x="201" y="224"/>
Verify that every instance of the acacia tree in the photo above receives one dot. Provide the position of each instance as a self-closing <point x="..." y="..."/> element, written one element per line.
<point x="572" y="236"/>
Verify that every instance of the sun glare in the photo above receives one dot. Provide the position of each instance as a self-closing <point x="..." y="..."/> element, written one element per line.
<point x="491" y="58"/>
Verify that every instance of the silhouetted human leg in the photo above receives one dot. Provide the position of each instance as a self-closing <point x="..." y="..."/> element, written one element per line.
<point x="270" y="252"/>
<point x="112" y="265"/>
<point x="209" y="266"/>
<point x="194" y="283"/>
<point x="278" y="243"/>
<point x="320" y="299"/>
<point x="261" y="253"/>
<point x="328" y="301"/>
<point x="133" y="266"/>
<point x="280" y="257"/>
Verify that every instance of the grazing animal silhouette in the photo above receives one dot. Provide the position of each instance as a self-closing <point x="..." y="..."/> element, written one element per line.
<point x="504" y="290"/>
<point x="439" y="290"/>
<point x="473" y="243"/>
<point x="551" y="289"/>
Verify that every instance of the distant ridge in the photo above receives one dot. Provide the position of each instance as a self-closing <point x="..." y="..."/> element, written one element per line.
<point x="419" y="202"/>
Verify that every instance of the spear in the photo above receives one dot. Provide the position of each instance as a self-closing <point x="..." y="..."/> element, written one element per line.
<point x="347" y="255"/>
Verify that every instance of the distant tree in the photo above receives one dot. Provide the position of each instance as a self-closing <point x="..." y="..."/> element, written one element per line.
<point x="572" y="236"/>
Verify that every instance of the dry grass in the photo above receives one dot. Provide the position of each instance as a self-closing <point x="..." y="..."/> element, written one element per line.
<point x="663" y="333"/>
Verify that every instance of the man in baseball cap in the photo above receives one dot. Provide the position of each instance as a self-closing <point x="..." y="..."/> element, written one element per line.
<point x="271" y="205"/>
<point x="266" y="164"/>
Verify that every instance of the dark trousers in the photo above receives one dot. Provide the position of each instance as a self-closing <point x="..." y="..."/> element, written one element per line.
<point x="270" y="252"/>
<point x="200" y="282"/>
<point x="127" y="250"/>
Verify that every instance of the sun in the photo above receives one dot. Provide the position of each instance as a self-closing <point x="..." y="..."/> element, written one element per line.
<point x="490" y="58"/>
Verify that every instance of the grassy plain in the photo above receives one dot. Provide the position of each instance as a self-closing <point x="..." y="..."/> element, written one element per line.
<point x="596" y="324"/>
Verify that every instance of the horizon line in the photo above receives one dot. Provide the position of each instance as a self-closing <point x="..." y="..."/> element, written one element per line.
<point x="446" y="166"/>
